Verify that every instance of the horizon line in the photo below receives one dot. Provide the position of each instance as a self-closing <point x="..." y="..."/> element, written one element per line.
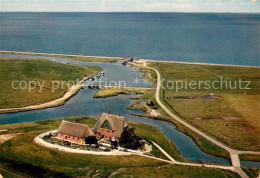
<point x="129" y="12"/>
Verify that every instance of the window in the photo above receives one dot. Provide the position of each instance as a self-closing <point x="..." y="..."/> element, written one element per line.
<point x="106" y="125"/>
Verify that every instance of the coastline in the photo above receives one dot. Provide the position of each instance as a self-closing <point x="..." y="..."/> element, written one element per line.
<point x="53" y="54"/>
<point x="120" y="58"/>
<point x="200" y="63"/>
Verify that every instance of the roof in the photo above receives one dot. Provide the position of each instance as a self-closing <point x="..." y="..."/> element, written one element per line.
<point x="75" y="129"/>
<point x="116" y="123"/>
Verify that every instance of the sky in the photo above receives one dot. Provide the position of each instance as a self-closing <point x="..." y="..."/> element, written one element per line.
<point x="236" y="6"/>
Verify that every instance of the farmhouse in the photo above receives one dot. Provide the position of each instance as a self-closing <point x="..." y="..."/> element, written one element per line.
<point x="73" y="132"/>
<point x="109" y="126"/>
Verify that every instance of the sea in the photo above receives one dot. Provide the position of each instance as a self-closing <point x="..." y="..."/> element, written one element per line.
<point x="190" y="37"/>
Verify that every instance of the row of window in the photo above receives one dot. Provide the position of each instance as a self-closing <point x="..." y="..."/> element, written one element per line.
<point x="66" y="137"/>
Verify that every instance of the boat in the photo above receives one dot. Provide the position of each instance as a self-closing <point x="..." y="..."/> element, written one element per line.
<point x="124" y="63"/>
<point x="98" y="75"/>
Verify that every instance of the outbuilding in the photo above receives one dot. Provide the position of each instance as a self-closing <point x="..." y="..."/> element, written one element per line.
<point x="73" y="132"/>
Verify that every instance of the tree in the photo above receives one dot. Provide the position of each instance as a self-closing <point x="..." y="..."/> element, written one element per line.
<point x="128" y="139"/>
<point x="91" y="140"/>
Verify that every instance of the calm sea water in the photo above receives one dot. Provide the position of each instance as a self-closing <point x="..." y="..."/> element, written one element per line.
<point x="212" y="38"/>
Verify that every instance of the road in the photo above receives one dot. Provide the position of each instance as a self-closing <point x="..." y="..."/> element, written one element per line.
<point x="233" y="152"/>
<point x="4" y="138"/>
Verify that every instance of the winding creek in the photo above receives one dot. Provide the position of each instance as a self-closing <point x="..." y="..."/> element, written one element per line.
<point x="84" y="104"/>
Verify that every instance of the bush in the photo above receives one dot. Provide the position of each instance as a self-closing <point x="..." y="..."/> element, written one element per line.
<point x="91" y="140"/>
<point x="129" y="140"/>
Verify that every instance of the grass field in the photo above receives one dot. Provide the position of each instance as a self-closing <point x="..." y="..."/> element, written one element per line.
<point x="76" y="58"/>
<point x="43" y="73"/>
<point x="108" y="92"/>
<point x="173" y="171"/>
<point x="250" y="157"/>
<point x="91" y="59"/>
<point x="20" y="154"/>
<point x="232" y="119"/>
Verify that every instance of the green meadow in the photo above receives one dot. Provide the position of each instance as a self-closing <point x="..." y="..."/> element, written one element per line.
<point x="173" y="171"/>
<point x="44" y="74"/>
<point x="232" y="118"/>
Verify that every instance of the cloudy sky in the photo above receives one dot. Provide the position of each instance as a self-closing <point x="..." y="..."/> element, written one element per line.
<point x="132" y="5"/>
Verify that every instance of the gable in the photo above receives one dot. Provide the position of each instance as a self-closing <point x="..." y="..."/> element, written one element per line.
<point x="111" y="122"/>
<point x="106" y="125"/>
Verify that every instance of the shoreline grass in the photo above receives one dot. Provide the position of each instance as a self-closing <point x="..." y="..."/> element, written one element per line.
<point x="249" y="157"/>
<point x="115" y="91"/>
